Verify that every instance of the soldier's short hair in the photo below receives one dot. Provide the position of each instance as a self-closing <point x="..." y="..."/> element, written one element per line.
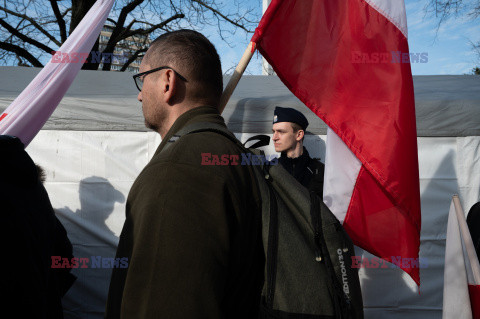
<point x="192" y="55"/>
<point x="297" y="128"/>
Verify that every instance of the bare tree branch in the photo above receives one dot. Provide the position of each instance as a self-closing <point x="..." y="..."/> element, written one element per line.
<point x="475" y="13"/>
<point x="152" y="28"/>
<point x="20" y="52"/>
<point x="115" y="37"/>
<point x="144" y="22"/>
<point x="216" y="12"/>
<point x="79" y="10"/>
<point x="60" y="21"/>
<point x="63" y="16"/>
<point x="112" y="21"/>
<point x="129" y="26"/>
<point x="123" y="16"/>
<point x="126" y="34"/>
<point x="24" y="38"/>
<point x="444" y="9"/>
<point x="33" y="22"/>
<point x="20" y="61"/>
<point x="132" y="59"/>
<point x="36" y="25"/>
<point x="66" y="11"/>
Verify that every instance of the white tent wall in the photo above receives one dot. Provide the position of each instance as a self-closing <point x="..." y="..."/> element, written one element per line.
<point x="95" y="145"/>
<point x="89" y="174"/>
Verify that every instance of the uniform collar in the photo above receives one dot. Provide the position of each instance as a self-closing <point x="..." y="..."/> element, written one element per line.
<point x="197" y="114"/>
<point x="296" y="166"/>
<point x="302" y="157"/>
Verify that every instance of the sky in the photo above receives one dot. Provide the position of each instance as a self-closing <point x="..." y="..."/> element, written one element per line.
<point x="449" y="49"/>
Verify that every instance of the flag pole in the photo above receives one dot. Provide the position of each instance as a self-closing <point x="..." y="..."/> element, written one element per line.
<point x="237" y="74"/>
<point x="467" y="239"/>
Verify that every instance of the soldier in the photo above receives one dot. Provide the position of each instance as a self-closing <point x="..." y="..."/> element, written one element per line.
<point x="288" y="129"/>
<point x="192" y="233"/>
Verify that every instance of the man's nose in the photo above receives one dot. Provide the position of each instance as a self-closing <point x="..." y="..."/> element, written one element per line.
<point x="139" y="96"/>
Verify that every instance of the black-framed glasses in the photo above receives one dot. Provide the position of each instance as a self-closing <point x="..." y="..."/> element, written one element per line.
<point x="138" y="78"/>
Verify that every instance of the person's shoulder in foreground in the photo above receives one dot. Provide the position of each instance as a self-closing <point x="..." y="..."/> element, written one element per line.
<point x="192" y="233"/>
<point x="31" y="234"/>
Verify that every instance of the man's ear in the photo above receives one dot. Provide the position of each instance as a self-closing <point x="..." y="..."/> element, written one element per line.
<point x="168" y="85"/>
<point x="300" y="135"/>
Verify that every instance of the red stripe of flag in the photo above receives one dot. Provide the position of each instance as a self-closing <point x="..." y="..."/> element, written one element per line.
<point x="474" y="291"/>
<point x="368" y="103"/>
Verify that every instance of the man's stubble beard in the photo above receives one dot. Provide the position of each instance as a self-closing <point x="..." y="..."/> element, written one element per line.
<point x="151" y="126"/>
<point x="156" y="123"/>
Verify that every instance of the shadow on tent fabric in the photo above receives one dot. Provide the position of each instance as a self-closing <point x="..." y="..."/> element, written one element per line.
<point x="315" y="146"/>
<point x="93" y="241"/>
<point x="235" y="120"/>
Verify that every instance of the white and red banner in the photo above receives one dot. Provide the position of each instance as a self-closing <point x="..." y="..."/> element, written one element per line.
<point x="348" y="61"/>
<point x="461" y="286"/>
<point x="31" y="109"/>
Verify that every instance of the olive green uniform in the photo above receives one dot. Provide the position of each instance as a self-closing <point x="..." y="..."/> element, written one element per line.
<point x="192" y="233"/>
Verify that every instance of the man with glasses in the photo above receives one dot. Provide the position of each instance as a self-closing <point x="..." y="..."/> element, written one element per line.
<point x="192" y="234"/>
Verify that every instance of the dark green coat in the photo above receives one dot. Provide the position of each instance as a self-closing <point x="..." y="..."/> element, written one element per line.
<point x="192" y="233"/>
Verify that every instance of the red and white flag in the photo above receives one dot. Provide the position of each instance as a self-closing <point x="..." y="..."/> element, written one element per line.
<point x="27" y="114"/>
<point x="461" y="287"/>
<point x="348" y="61"/>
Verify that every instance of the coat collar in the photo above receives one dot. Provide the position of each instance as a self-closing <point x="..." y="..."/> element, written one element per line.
<point x="197" y="114"/>
<point x="296" y="166"/>
<point x="301" y="158"/>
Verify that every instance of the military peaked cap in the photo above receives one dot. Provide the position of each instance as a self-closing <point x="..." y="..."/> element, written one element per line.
<point x="286" y="114"/>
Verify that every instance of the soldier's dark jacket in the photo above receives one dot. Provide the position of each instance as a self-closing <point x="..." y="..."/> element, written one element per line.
<point x="192" y="233"/>
<point x="308" y="171"/>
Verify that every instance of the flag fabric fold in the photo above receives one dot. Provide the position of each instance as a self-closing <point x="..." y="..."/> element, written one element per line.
<point x="461" y="293"/>
<point x="26" y="115"/>
<point x="348" y="61"/>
